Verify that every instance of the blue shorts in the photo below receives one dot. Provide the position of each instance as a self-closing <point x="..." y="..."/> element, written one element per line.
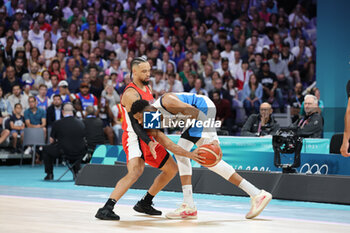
<point x="16" y="131"/>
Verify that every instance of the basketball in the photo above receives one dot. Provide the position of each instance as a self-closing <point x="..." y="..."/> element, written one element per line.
<point x="211" y="153"/>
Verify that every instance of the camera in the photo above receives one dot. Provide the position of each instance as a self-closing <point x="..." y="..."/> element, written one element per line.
<point x="287" y="141"/>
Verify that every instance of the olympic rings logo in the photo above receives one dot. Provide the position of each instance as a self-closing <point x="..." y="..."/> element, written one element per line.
<point x="314" y="169"/>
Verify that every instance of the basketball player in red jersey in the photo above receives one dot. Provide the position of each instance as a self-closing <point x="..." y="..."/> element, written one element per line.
<point x="145" y="150"/>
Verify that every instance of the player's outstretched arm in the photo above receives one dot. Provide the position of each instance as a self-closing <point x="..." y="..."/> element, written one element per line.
<point x="171" y="146"/>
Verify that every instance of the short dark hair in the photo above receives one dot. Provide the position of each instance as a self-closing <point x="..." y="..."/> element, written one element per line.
<point x="32" y="97"/>
<point x="216" y="92"/>
<point x="18" y="104"/>
<point x="139" y="106"/>
<point x="56" y="95"/>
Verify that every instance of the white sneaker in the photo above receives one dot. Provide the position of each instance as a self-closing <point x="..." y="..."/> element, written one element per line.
<point x="28" y="151"/>
<point x="183" y="212"/>
<point x="259" y="202"/>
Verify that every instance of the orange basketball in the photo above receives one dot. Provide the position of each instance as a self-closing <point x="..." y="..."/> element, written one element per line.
<point x="211" y="153"/>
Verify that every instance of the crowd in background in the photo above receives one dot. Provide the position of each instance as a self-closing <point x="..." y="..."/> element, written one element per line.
<point x="239" y="53"/>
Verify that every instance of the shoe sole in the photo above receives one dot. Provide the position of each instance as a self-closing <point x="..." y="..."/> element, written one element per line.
<point x="263" y="205"/>
<point x="137" y="209"/>
<point x="180" y="217"/>
<point x="104" y="218"/>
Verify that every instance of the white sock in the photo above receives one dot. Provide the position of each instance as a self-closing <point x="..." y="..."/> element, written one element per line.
<point x="250" y="189"/>
<point x="188" y="197"/>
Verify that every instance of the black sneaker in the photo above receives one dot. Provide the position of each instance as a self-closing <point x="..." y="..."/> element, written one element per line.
<point x="106" y="213"/>
<point x="143" y="207"/>
<point x="48" y="177"/>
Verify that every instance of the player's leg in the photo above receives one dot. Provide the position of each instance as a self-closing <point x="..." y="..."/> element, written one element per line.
<point x="259" y="197"/>
<point x="187" y="208"/>
<point x="169" y="170"/>
<point x="167" y="165"/>
<point x="135" y="169"/>
<point x="135" y="166"/>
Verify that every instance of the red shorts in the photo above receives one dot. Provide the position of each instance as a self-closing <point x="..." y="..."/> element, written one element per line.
<point x="136" y="148"/>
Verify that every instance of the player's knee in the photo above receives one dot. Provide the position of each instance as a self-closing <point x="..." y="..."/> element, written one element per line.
<point x="135" y="172"/>
<point x="223" y="169"/>
<point x="134" y="175"/>
<point x="170" y="168"/>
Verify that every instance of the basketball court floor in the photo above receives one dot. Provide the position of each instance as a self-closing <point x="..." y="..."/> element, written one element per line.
<point x="28" y="204"/>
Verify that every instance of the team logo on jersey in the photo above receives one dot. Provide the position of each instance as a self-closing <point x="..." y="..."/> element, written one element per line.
<point x="151" y="120"/>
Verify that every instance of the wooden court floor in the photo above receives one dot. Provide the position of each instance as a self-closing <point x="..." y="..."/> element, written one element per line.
<point x="41" y="215"/>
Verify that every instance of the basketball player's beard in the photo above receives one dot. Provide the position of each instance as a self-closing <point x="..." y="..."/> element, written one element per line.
<point x="145" y="82"/>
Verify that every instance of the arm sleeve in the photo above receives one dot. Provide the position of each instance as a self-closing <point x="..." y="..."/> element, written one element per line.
<point x="315" y="125"/>
<point x="246" y="128"/>
<point x="138" y="129"/>
<point x="348" y="89"/>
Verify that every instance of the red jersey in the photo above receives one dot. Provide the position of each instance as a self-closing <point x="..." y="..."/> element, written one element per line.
<point x="145" y="95"/>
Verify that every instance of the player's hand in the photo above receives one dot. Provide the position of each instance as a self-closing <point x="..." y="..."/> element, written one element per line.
<point x="344" y="149"/>
<point x="152" y="146"/>
<point x="195" y="155"/>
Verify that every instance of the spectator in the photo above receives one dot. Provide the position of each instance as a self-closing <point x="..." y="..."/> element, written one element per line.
<point x="158" y="84"/>
<point x="218" y="86"/>
<point x="297" y="16"/>
<point x="5" y="106"/>
<point x="280" y="69"/>
<point x="105" y="114"/>
<point x="47" y="78"/>
<point x="111" y="95"/>
<point x="197" y="89"/>
<point x="223" y="111"/>
<point x="33" y="77"/>
<point x="290" y="60"/>
<point x="224" y="70"/>
<point x="17" y="97"/>
<point x="43" y="101"/>
<point x="242" y="75"/>
<point x="55" y="68"/>
<point x="241" y="48"/>
<point x="310" y="125"/>
<point x="190" y="84"/>
<point x="85" y="97"/>
<point x="9" y="81"/>
<point x="292" y="39"/>
<point x="234" y="66"/>
<point x="252" y="95"/>
<point x="4" y="133"/>
<point x="17" y="126"/>
<point x="228" y="53"/>
<point x="54" y="111"/>
<point x="122" y="52"/>
<point x="316" y="92"/>
<point x="185" y="73"/>
<point x="54" y="89"/>
<point x="74" y="81"/>
<point x="93" y="129"/>
<point x="35" y="117"/>
<point x="270" y="86"/>
<point x="68" y="138"/>
<point x="177" y="54"/>
<point x="259" y="125"/>
<point x="296" y="100"/>
<point x="36" y="35"/>
<point x="20" y="67"/>
<point x="302" y="54"/>
<point x="173" y="85"/>
<point x="64" y="91"/>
